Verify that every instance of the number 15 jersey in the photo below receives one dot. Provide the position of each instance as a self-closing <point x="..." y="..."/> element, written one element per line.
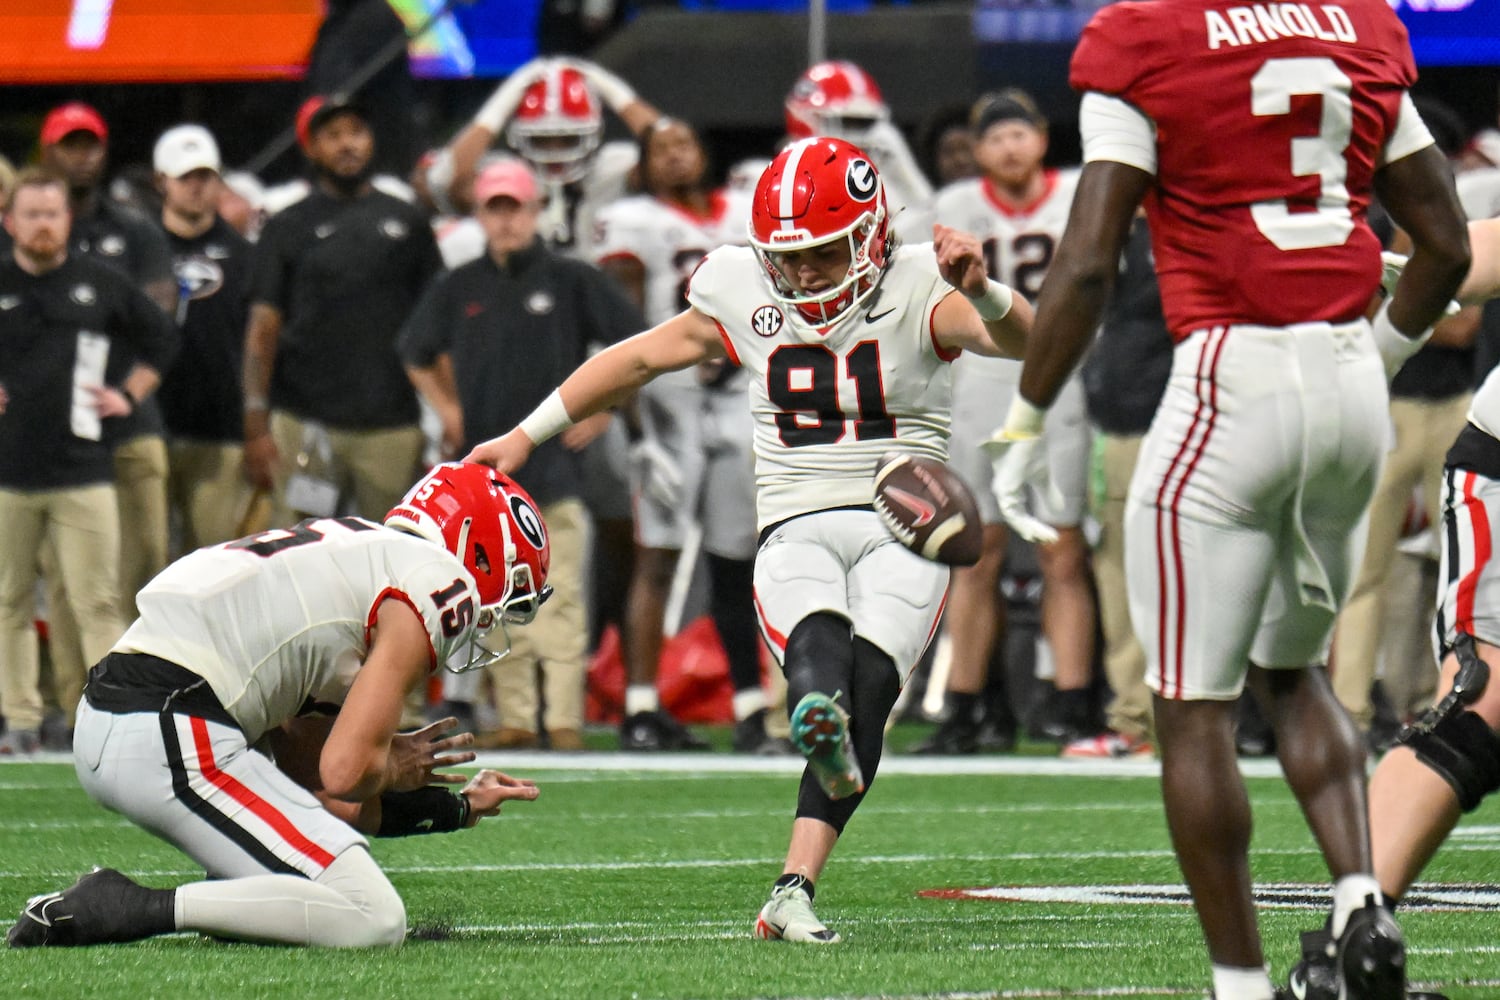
<point x="279" y="622"/>
<point x="828" y="402"/>
<point x="1270" y="120"/>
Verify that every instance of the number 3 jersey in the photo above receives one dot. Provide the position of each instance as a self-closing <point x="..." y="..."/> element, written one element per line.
<point x="827" y="403"/>
<point x="280" y="622"/>
<point x="1270" y="120"/>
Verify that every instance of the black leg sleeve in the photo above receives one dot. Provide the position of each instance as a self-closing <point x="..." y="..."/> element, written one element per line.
<point x="819" y="657"/>
<point x="733" y="609"/>
<point x="869" y="700"/>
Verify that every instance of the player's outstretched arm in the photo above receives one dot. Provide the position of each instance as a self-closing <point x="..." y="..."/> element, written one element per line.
<point x="988" y="318"/>
<point x="1418" y="192"/>
<point x="604" y="381"/>
<point x="363" y="756"/>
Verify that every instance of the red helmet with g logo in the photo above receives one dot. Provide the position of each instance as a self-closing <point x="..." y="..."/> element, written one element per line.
<point x="834" y="98"/>
<point x="494" y="528"/>
<point x="817" y="191"/>
<point x="558" y="124"/>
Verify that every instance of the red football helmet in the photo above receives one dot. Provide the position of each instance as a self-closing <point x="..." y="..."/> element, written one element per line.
<point x="558" y="124"/>
<point x="834" y="98"/>
<point x="817" y="191"/>
<point x="492" y="525"/>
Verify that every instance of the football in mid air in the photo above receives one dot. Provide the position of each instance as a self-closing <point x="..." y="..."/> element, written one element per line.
<point x="927" y="508"/>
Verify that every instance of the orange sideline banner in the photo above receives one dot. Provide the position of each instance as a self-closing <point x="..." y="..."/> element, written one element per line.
<point x="140" y="41"/>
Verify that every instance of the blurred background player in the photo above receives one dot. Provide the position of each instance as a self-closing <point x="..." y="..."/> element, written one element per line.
<point x="847" y="339"/>
<point x="1018" y="208"/>
<point x="304" y="642"/>
<point x="692" y="466"/>
<point x="839" y="99"/>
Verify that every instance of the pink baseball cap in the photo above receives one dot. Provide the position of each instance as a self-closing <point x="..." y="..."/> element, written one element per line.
<point x="72" y="117"/>
<point x="507" y="177"/>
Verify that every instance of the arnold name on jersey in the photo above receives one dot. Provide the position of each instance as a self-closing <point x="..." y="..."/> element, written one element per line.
<point x="1267" y="22"/>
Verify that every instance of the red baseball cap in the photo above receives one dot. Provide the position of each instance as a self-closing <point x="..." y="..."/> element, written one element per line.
<point x="507" y="177"/>
<point x="73" y="117"/>
<point x="318" y="109"/>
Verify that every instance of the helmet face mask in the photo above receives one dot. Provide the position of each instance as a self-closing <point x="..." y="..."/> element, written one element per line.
<point x="815" y="193"/>
<point x="558" y="125"/>
<point x="491" y="525"/>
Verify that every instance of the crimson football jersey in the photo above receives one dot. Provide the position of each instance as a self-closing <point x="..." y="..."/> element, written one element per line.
<point x="1270" y="121"/>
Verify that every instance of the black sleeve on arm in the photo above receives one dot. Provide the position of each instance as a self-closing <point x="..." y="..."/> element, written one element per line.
<point x="433" y="809"/>
<point x="609" y="314"/>
<point x="428" y="330"/>
<point x="270" y="267"/>
<point x="149" y="330"/>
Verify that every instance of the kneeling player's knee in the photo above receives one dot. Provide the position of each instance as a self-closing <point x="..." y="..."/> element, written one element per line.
<point x="1463" y="750"/>
<point x="381" y="920"/>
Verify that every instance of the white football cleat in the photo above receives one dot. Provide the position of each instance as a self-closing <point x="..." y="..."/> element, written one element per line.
<point x="788" y="916"/>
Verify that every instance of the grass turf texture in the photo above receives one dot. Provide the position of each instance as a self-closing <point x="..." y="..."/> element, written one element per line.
<point x="643" y="884"/>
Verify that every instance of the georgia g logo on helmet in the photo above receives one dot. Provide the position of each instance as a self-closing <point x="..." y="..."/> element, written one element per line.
<point x="860" y="180"/>
<point x="528" y="521"/>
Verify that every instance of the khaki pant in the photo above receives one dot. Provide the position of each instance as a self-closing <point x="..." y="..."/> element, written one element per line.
<point x="1424" y="433"/>
<point x="1129" y="710"/>
<point x="206" y="486"/>
<point x="141" y="494"/>
<point x="80" y="527"/>
<point x="372" y="469"/>
<point x="556" y="641"/>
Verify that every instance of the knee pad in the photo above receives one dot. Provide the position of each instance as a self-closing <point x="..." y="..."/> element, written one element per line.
<point x="1464" y="752"/>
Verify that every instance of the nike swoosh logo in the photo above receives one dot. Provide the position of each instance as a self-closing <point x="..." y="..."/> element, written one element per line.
<point x="925" y="511"/>
<point x="876" y="317"/>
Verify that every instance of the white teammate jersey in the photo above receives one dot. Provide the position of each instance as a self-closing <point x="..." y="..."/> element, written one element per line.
<point x="281" y="620"/>
<point x="1018" y="243"/>
<point x="1484" y="410"/>
<point x="669" y="242"/>
<point x="828" y="403"/>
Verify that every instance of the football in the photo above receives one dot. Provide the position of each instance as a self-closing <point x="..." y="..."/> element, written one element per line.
<point x="927" y="508"/>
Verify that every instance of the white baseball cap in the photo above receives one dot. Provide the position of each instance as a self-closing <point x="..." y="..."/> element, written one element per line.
<point x="184" y="149"/>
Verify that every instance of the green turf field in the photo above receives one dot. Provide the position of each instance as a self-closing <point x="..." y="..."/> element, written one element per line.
<point x="623" y="883"/>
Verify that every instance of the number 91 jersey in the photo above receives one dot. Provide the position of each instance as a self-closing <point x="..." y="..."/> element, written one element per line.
<point x="279" y="622"/>
<point x="828" y="402"/>
<point x="1270" y="120"/>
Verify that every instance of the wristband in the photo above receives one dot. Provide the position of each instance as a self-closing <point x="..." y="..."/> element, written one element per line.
<point x="1394" y="346"/>
<point x="1024" y="421"/>
<point x="994" y="304"/>
<point x="257" y="404"/>
<point x="548" y="420"/>
<point x="427" y="810"/>
<point x="134" y="403"/>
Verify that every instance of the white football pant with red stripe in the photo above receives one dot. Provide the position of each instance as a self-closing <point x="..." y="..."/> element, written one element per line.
<point x="1244" y="525"/>
<point x="284" y="868"/>
<point x="846" y="563"/>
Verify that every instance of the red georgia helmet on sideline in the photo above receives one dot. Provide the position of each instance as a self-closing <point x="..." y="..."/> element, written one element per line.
<point x="835" y="98"/>
<point x="494" y="528"/>
<point x="816" y="191"/>
<point x="558" y="124"/>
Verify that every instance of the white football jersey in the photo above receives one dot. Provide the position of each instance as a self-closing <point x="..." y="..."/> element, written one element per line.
<point x="829" y="402"/>
<point x="567" y="223"/>
<point x="669" y="242"/>
<point x="1484" y="410"/>
<point x="1018" y="244"/>
<point x="280" y="621"/>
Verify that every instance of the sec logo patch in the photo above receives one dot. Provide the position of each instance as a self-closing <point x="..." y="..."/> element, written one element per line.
<point x="767" y="321"/>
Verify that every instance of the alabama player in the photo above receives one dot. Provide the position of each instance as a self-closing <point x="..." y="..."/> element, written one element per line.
<point x="846" y="339"/>
<point x="1018" y="209"/>
<point x="249" y="717"/>
<point x="1255" y="136"/>
<point x="693" y="460"/>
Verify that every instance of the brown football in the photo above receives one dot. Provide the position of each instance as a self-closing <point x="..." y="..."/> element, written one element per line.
<point x="927" y="508"/>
